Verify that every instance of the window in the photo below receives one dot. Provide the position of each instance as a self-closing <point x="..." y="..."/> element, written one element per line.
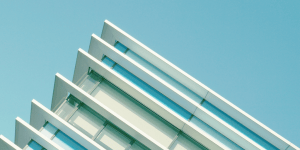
<point x="107" y="61"/>
<point x="88" y="84"/>
<point x="91" y="124"/>
<point x="60" y="138"/>
<point x="214" y="133"/>
<point x="183" y="142"/>
<point x="49" y="130"/>
<point x="138" y="59"/>
<point x="32" y="145"/>
<point x="122" y="48"/>
<point x="66" y="142"/>
<point x="113" y="139"/>
<point x="138" y="146"/>
<point x="247" y="132"/>
<point x="66" y="108"/>
<point x="86" y="122"/>
<point x="134" y="112"/>
<point x="150" y="90"/>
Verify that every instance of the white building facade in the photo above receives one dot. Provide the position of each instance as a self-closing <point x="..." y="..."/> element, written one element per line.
<point x="124" y="96"/>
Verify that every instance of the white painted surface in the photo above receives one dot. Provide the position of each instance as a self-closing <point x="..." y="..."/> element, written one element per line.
<point x="40" y="114"/>
<point x="6" y="144"/>
<point x="25" y="132"/>
<point x="123" y="106"/>
<point x="86" y="122"/>
<point x="292" y="147"/>
<point x="226" y="129"/>
<point x="183" y="143"/>
<point x="153" y="80"/>
<point x="132" y="89"/>
<point x="85" y="60"/>
<point x="106" y="112"/>
<point x="113" y="139"/>
<point x="65" y="110"/>
<point x="205" y="128"/>
<point x="112" y="143"/>
<point x="111" y="33"/>
<point x="247" y="120"/>
<point x="158" y="83"/>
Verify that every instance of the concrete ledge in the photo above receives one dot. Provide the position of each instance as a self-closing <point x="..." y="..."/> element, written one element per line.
<point x="40" y="114"/>
<point x="25" y="132"/>
<point x="112" y="33"/>
<point x="105" y="112"/>
<point x="7" y="144"/>
<point x="99" y="47"/>
<point x="85" y="60"/>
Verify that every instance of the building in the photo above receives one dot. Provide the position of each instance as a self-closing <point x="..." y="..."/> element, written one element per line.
<point x="126" y="96"/>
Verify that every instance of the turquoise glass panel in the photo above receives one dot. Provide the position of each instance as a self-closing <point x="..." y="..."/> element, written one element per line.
<point x="122" y="48"/>
<point x="34" y="146"/>
<point x="160" y="73"/>
<point x="66" y="142"/>
<point x="250" y="134"/>
<point x="49" y="130"/>
<point x="107" y="61"/>
<point x="164" y="76"/>
<point x="214" y="133"/>
<point x="153" y="92"/>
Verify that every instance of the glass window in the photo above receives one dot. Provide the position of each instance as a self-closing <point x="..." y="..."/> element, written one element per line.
<point x="111" y="138"/>
<point x="138" y="146"/>
<point x="185" y="143"/>
<point x="253" y="136"/>
<point x="134" y="112"/>
<point x="86" y="122"/>
<point x="214" y="133"/>
<point x="107" y="61"/>
<point x="140" y="60"/>
<point x="122" y="48"/>
<point x="49" y="130"/>
<point x="34" y="146"/>
<point x="164" y="76"/>
<point x="65" y="110"/>
<point x="66" y="142"/>
<point x="150" y="90"/>
<point x="88" y="84"/>
<point x="153" y="92"/>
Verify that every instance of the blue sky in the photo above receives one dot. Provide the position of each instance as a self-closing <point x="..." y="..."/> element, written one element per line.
<point x="247" y="51"/>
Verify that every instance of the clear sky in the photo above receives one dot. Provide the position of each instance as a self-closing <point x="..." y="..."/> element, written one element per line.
<point x="247" y="51"/>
